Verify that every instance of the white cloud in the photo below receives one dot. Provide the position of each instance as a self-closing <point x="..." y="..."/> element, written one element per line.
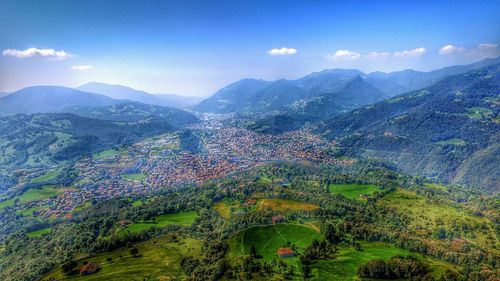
<point x="378" y="55"/>
<point x="487" y="46"/>
<point x="82" y="67"/>
<point x="417" y="52"/>
<point x="481" y="51"/>
<point x="34" y="52"/>
<point x="282" y="52"/>
<point x="450" y="50"/>
<point x="344" y="55"/>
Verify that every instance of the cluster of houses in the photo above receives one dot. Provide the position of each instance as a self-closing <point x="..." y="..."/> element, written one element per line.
<point x="162" y="164"/>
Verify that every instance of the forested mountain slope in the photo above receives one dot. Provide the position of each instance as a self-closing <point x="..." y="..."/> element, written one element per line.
<point x="134" y="111"/>
<point x="40" y="139"/>
<point x="43" y="99"/>
<point x="450" y="130"/>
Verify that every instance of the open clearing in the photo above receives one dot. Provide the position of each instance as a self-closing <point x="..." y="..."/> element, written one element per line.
<point x="34" y="194"/>
<point x="428" y="217"/>
<point x="268" y="239"/>
<point x="347" y="261"/>
<point x="158" y="259"/>
<point x="39" y="233"/>
<point x="353" y="190"/>
<point x="134" y="177"/>
<point x="182" y="219"/>
<point x="47" y="177"/>
<point x="227" y="208"/>
<point x="108" y="153"/>
<point x="284" y="205"/>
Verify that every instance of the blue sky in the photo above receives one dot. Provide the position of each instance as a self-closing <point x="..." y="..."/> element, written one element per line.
<point x="196" y="47"/>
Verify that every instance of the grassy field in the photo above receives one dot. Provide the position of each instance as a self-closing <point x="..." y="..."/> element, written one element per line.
<point x="158" y="259"/>
<point x="108" y="153"/>
<point x="436" y="186"/>
<point x="479" y="113"/>
<point x="452" y="142"/>
<point x="47" y="177"/>
<point x="134" y="177"/>
<point x="33" y="194"/>
<point x="39" y="233"/>
<point x="353" y="190"/>
<point x="83" y="206"/>
<point x="347" y="261"/>
<point x="140" y="202"/>
<point x="29" y="211"/>
<point x="7" y="203"/>
<point x="427" y="217"/>
<point x="182" y="218"/>
<point x="39" y="193"/>
<point x="284" y="205"/>
<point x="268" y="239"/>
<point x="224" y="208"/>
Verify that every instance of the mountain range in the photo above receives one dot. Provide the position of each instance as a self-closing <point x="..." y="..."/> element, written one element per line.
<point x="449" y="131"/>
<point x="126" y="93"/>
<point x="333" y="91"/>
<point x="135" y="111"/>
<point x="41" y="99"/>
<point x="47" y="138"/>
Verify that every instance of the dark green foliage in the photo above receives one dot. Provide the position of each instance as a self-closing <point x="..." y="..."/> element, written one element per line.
<point x="396" y="268"/>
<point x="134" y="251"/>
<point x="275" y="124"/>
<point x="190" y="142"/>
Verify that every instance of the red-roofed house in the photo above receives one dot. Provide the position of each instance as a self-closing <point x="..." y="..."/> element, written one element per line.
<point x="285" y="253"/>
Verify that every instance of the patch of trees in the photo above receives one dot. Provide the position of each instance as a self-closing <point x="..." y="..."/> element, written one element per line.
<point x="397" y="267"/>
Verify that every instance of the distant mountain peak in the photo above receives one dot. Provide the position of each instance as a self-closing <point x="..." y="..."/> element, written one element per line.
<point x="128" y="93"/>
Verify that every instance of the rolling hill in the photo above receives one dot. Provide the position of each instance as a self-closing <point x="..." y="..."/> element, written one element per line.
<point x="42" y="99"/>
<point x="47" y="138"/>
<point x="134" y="111"/>
<point x="127" y="93"/>
<point x="449" y="131"/>
<point x="274" y="124"/>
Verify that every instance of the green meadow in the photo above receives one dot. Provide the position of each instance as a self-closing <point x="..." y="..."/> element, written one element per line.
<point x="39" y="233"/>
<point x="181" y="218"/>
<point x="108" y="153"/>
<point x="268" y="239"/>
<point x="47" y="177"/>
<point x="158" y="259"/>
<point x="34" y="194"/>
<point x="426" y="218"/>
<point x="353" y="190"/>
<point x="346" y="262"/>
<point x="134" y="177"/>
